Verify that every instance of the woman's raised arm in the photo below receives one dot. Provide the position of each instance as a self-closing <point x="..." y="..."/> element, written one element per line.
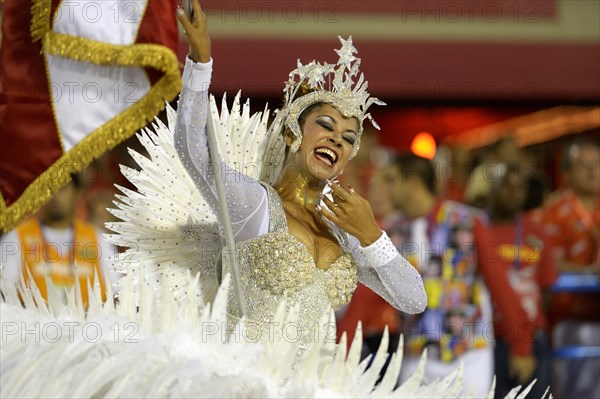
<point x="246" y="198"/>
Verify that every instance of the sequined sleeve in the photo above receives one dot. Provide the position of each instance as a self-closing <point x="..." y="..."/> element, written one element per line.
<point x="246" y="198"/>
<point x="386" y="272"/>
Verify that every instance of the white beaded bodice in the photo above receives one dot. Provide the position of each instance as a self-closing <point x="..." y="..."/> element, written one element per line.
<point x="276" y="265"/>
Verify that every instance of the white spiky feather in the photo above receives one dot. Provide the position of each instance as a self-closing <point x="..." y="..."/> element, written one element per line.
<point x="246" y="142"/>
<point x="170" y="348"/>
<point x="168" y="227"/>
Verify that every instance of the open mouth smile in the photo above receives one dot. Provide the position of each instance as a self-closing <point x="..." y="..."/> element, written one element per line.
<point x="326" y="156"/>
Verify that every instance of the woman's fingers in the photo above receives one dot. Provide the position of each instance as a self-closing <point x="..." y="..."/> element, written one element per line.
<point x="196" y="33"/>
<point x="340" y="191"/>
<point x="327" y="214"/>
<point x="197" y="20"/>
<point x="199" y="15"/>
<point x="330" y="204"/>
<point x="185" y="22"/>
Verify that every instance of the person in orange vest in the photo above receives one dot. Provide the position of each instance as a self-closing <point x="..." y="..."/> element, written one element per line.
<point x="59" y="244"/>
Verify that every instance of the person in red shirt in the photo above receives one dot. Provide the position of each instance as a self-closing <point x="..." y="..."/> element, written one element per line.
<point x="572" y="219"/>
<point x="516" y="262"/>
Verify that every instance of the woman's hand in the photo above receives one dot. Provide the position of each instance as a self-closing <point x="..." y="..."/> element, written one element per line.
<point x="196" y="33"/>
<point x="352" y="213"/>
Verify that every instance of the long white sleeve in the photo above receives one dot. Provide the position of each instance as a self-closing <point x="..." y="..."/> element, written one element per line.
<point x="246" y="198"/>
<point x="386" y="272"/>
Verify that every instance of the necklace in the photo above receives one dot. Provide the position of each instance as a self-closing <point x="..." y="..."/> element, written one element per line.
<point x="296" y="208"/>
<point x="296" y="199"/>
<point x="299" y="196"/>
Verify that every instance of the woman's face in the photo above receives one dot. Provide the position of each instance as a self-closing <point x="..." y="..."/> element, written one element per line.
<point x="327" y="142"/>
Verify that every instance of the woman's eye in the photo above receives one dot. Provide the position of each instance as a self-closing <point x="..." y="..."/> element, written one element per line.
<point x="350" y="140"/>
<point x="326" y="126"/>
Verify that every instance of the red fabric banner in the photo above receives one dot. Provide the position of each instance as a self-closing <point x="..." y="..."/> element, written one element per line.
<point x="33" y="160"/>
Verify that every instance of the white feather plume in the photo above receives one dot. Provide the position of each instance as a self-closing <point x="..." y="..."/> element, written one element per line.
<point x="170" y="348"/>
<point x="167" y="226"/>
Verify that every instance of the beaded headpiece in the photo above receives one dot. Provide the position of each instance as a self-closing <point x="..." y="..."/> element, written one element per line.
<point x="332" y="84"/>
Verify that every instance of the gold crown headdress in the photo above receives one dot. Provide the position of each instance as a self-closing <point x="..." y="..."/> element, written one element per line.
<point x="332" y="84"/>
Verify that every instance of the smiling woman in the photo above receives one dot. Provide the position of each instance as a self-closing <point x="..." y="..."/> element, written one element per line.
<point x="292" y="241"/>
<point x="327" y="142"/>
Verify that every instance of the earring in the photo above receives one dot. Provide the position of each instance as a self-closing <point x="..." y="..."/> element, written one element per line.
<point x="295" y="145"/>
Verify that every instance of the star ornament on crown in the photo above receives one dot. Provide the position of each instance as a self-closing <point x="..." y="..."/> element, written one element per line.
<point x="332" y="84"/>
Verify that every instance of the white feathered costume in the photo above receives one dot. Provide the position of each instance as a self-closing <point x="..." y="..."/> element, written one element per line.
<point x="168" y="335"/>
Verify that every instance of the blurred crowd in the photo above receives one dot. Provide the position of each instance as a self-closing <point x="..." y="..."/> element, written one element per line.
<point x="493" y="232"/>
<point x="509" y="256"/>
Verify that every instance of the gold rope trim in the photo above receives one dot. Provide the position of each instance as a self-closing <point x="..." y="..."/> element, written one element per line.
<point x="40" y="19"/>
<point x="88" y="50"/>
<point x="111" y="133"/>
